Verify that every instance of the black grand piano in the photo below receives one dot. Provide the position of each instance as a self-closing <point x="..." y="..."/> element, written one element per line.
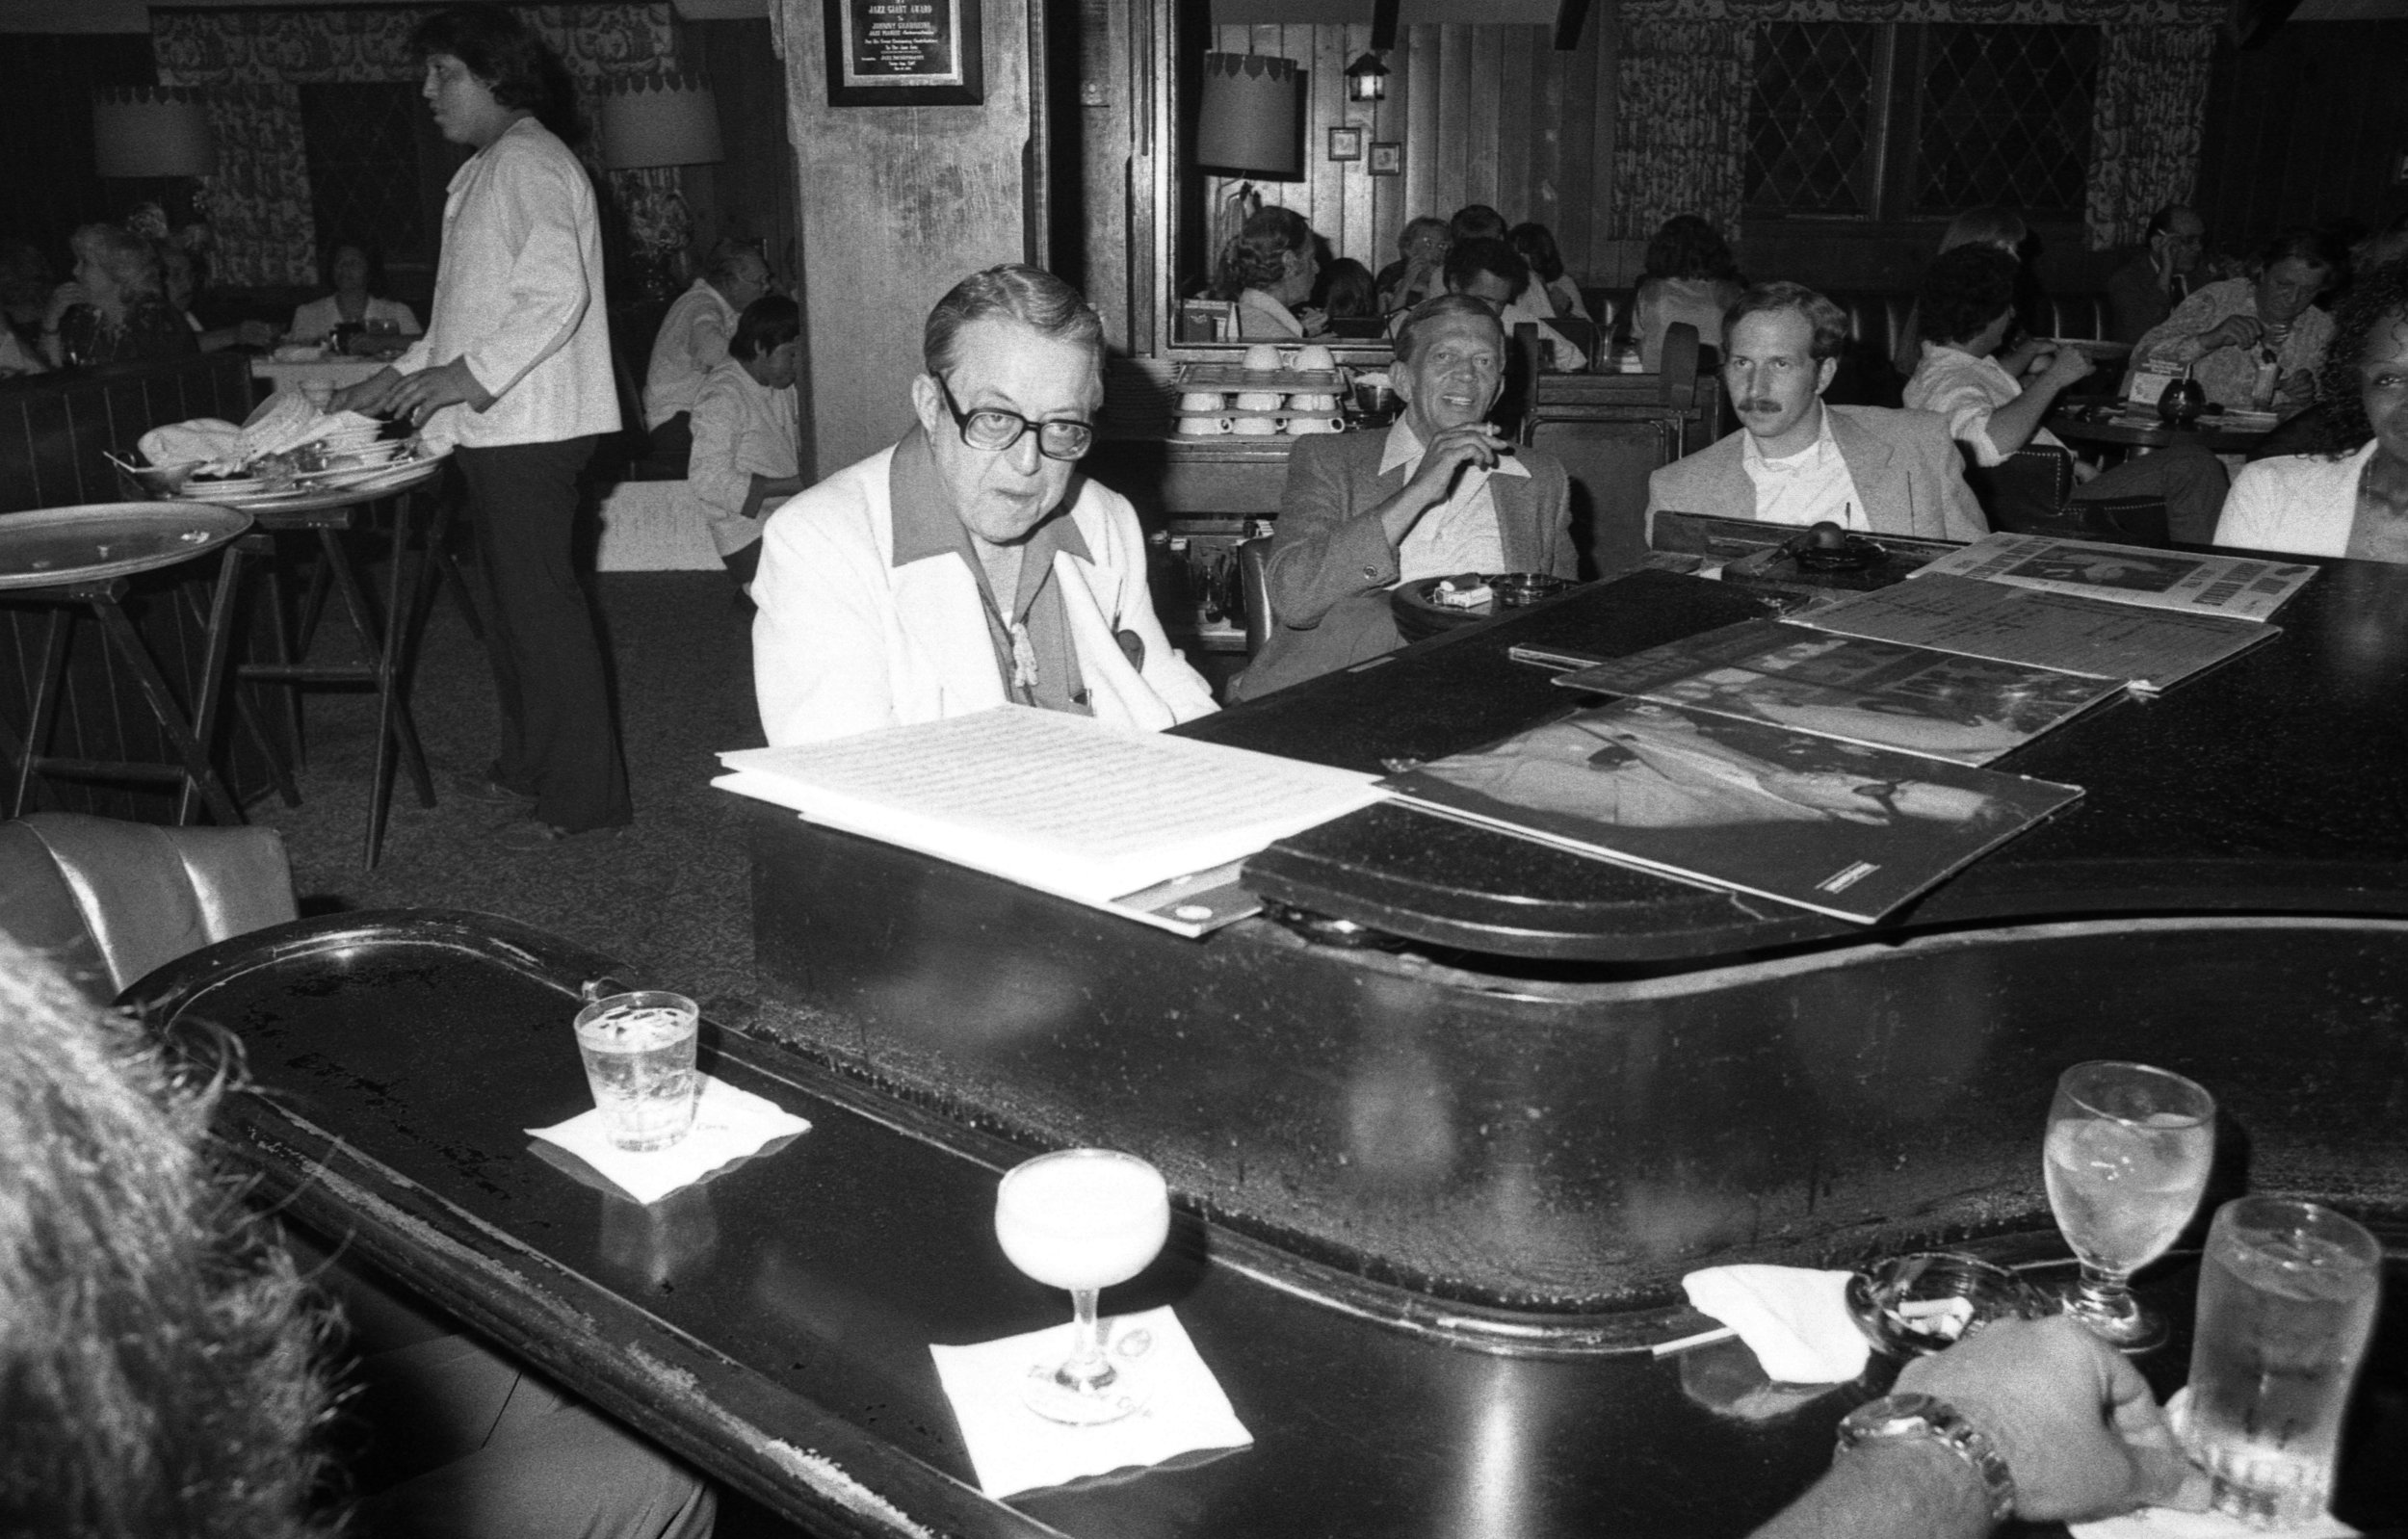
<point x="1444" y="1133"/>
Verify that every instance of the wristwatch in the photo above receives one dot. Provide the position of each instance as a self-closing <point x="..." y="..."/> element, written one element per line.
<point x="1922" y="1415"/>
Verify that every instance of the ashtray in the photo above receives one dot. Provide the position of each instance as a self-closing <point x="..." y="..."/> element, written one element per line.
<point x="1828" y="548"/>
<point x="1515" y="590"/>
<point x="1931" y="1300"/>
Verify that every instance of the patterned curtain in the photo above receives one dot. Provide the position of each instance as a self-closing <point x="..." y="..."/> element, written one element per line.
<point x="1681" y="124"/>
<point x="250" y="61"/>
<point x="2145" y="127"/>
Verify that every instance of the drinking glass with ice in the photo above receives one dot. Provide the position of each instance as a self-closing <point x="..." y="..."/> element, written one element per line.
<point x="2128" y="1154"/>
<point x="2286" y="1295"/>
<point x="639" y="1059"/>
<point x="1082" y="1219"/>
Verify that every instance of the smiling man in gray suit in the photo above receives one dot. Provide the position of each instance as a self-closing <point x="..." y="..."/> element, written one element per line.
<point x="1440" y="493"/>
<point x="1796" y="461"/>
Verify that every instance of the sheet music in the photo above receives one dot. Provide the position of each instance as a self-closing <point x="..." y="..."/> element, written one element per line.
<point x="1014" y="790"/>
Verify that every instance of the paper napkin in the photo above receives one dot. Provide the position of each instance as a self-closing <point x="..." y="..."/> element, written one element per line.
<point x="728" y="1125"/>
<point x="1014" y="1450"/>
<point x="1794" y="1319"/>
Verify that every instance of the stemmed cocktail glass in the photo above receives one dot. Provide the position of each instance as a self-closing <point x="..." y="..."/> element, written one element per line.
<point x="1082" y="1219"/>
<point x="2126" y="1157"/>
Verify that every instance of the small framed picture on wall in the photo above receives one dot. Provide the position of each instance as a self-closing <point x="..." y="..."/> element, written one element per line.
<point x="1346" y="143"/>
<point x="1387" y="157"/>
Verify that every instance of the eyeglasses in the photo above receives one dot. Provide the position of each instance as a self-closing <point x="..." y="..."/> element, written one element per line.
<point x="991" y="430"/>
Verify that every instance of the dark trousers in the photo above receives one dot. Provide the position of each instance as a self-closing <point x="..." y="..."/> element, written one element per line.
<point x="2191" y="481"/>
<point x="559" y="741"/>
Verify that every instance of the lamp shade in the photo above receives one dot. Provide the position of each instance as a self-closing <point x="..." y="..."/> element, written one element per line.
<point x="1250" y="118"/>
<point x="153" y="131"/>
<point x="670" y="120"/>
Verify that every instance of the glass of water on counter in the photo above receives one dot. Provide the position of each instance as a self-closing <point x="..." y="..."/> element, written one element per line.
<point x="2128" y="1155"/>
<point x="639" y="1057"/>
<point x="2286" y="1295"/>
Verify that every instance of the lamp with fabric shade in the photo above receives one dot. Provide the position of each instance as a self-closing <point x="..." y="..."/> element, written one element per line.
<point x="670" y="120"/>
<point x="148" y="131"/>
<point x="1250" y="120"/>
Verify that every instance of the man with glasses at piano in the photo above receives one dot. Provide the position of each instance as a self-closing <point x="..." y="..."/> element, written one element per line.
<point x="970" y="564"/>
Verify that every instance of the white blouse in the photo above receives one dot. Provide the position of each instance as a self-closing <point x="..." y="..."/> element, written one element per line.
<point x="742" y="429"/>
<point x="518" y="297"/>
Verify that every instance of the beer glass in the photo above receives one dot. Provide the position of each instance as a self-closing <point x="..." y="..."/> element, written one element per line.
<point x="1082" y="1219"/>
<point x="2127" y="1157"/>
<point x="2287" y="1294"/>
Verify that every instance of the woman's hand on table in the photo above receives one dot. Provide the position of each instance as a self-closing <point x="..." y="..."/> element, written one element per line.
<point x="2233" y="331"/>
<point x="2069" y="366"/>
<point x="421" y="394"/>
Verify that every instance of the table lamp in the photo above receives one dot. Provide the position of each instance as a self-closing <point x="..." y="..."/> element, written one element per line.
<point x="1250" y="120"/>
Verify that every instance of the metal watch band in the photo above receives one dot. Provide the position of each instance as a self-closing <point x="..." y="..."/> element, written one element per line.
<point x="1922" y="1415"/>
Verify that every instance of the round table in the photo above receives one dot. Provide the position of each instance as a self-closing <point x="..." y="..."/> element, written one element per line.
<point x="2140" y="436"/>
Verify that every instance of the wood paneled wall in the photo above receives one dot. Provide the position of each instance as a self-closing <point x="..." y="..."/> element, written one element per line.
<point x="897" y="205"/>
<point x="1487" y="115"/>
<point x="2308" y="127"/>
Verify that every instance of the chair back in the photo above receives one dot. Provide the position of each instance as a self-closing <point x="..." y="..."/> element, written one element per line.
<point x="2025" y="492"/>
<point x="110" y="901"/>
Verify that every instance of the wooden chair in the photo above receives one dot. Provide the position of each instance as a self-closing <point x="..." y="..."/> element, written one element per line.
<point x="1611" y="431"/>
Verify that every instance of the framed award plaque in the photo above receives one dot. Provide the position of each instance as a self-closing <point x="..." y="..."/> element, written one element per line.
<point x="904" y="53"/>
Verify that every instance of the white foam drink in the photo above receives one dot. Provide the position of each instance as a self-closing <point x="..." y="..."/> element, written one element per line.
<point x="640" y="1059"/>
<point x="2287" y="1296"/>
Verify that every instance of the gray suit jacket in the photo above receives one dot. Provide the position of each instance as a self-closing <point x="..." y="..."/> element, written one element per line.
<point x="1331" y="566"/>
<point x="1906" y="468"/>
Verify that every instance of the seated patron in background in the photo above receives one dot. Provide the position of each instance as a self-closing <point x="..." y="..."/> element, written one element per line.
<point x="1420" y="271"/>
<point x="1968" y="306"/>
<point x="1347" y="293"/>
<point x="1270" y="269"/>
<point x="2003" y="230"/>
<point x="1487" y="268"/>
<point x="2352" y="500"/>
<point x="2171" y="265"/>
<point x="693" y="341"/>
<point x="1795" y="461"/>
<point x="1477" y="221"/>
<point x="1439" y="494"/>
<point x="354" y="273"/>
<point x="1550" y="288"/>
<point x="747" y="433"/>
<point x="2234" y="334"/>
<point x="971" y="564"/>
<point x="180" y="275"/>
<point x="1690" y="277"/>
<point x="114" y="309"/>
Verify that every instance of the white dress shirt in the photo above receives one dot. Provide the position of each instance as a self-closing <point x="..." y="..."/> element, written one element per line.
<point x="742" y="429"/>
<point x="1459" y="535"/>
<point x="1806" y="488"/>
<point x="1966" y="390"/>
<point x="693" y="341"/>
<point x="1566" y="354"/>
<point x="518" y="297"/>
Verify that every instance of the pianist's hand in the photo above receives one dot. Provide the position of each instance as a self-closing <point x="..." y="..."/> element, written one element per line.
<point x="2076" y="1422"/>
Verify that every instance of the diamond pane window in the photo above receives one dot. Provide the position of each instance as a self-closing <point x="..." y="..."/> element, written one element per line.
<point x="1810" y="122"/>
<point x="2004" y="118"/>
<point x="361" y="141"/>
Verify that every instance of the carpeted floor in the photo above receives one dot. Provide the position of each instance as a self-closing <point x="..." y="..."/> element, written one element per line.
<point x="666" y="897"/>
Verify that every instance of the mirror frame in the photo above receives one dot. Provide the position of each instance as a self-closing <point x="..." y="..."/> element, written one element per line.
<point x="1154" y="171"/>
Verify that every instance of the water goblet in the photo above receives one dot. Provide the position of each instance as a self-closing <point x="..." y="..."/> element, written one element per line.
<point x="1082" y="1219"/>
<point x="2127" y="1157"/>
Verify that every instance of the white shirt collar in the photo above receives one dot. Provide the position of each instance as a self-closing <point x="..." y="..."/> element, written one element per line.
<point x="1402" y="447"/>
<point x="1811" y="457"/>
